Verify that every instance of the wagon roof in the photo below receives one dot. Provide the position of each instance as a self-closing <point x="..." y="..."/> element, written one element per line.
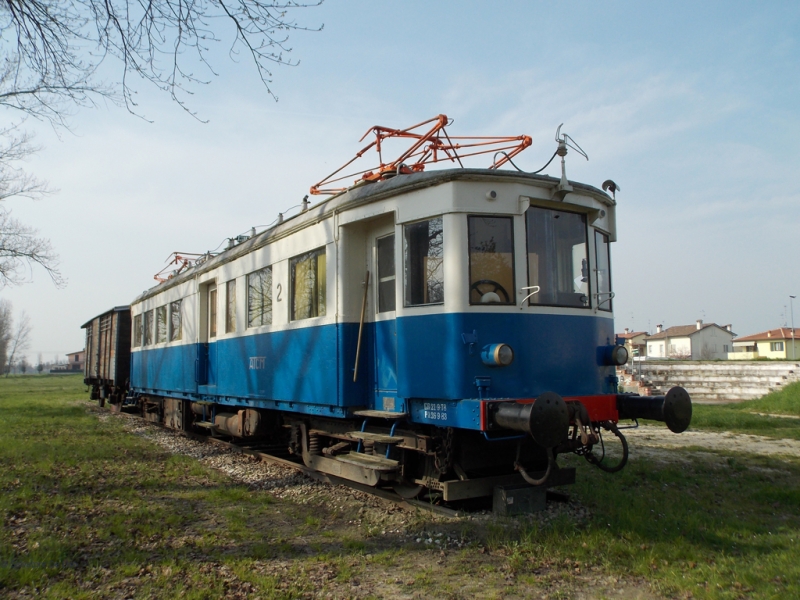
<point x="367" y="193"/>
<point x="115" y="309"/>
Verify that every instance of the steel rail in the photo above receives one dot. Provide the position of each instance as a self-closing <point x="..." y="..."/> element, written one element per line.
<point x="383" y="494"/>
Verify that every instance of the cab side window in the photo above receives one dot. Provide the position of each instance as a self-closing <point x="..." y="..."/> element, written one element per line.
<point x="602" y="250"/>
<point x="424" y="262"/>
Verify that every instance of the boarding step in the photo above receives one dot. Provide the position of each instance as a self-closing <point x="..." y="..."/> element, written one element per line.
<point x="369" y="461"/>
<point x="381" y="438"/>
<point x="380" y="414"/>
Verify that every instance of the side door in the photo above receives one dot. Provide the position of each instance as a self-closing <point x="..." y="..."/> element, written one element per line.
<point x="206" y="365"/>
<point x="383" y="259"/>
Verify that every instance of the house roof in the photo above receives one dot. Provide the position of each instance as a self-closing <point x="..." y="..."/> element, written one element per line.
<point x="782" y="333"/>
<point x="77" y="352"/>
<point x="684" y="331"/>
<point x="630" y="334"/>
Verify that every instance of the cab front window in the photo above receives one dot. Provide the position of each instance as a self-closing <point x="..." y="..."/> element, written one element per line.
<point x="558" y="261"/>
<point x="491" y="260"/>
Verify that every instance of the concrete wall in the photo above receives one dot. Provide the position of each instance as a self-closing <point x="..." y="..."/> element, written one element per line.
<point x="709" y="381"/>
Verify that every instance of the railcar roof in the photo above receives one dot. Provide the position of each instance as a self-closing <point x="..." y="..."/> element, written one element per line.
<point x="364" y="194"/>
<point x="102" y="314"/>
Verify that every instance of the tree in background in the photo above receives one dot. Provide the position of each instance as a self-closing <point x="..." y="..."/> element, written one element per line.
<point x="23" y="365"/>
<point x="39" y="364"/>
<point x="18" y="337"/>
<point x="57" y="56"/>
<point x="5" y="332"/>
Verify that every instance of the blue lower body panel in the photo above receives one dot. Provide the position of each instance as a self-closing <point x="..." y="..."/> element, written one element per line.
<point x="416" y="364"/>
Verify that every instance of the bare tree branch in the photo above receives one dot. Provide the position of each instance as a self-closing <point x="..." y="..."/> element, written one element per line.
<point x="20" y="249"/>
<point x="53" y="50"/>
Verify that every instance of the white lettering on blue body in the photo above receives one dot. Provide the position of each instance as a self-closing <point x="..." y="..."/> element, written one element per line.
<point x="434" y="411"/>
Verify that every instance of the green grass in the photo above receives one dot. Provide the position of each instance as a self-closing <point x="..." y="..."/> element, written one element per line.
<point x="89" y="510"/>
<point x="744" y="417"/>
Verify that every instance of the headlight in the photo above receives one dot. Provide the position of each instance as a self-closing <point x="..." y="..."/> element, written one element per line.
<point x="619" y="355"/>
<point x="497" y="355"/>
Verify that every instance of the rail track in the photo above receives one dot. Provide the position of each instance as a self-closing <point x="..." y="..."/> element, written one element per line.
<point x="278" y="454"/>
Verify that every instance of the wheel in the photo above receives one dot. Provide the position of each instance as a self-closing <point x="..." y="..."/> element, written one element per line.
<point x="407" y="490"/>
<point x="496" y="287"/>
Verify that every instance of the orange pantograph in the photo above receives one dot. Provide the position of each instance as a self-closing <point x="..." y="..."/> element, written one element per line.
<point x="183" y="260"/>
<point x="431" y="146"/>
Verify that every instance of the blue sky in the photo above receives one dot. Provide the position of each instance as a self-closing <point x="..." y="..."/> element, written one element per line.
<point x="692" y="108"/>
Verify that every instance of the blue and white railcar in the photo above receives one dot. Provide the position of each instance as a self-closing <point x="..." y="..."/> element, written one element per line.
<point x="432" y="329"/>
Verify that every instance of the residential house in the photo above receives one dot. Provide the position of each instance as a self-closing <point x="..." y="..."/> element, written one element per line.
<point x="635" y="342"/>
<point x="76" y="360"/>
<point x="701" y="341"/>
<point x="75" y="363"/>
<point x="781" y="343"/>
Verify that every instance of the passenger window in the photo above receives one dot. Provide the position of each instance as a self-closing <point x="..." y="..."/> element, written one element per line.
<point x="557" y="257"/>
<point x="137" y="331"/>
<point x="212" y="312"/>
<point x="230" y="306"/>
<point x="491" y="260"/>
<point x="424" y="268"/>
<point x="601" y="248"/>
<point x="175" y="329"/>
<point x="308" y="285"/>
<point x="148" y="328"/>
<point x="161" y="324"/>
<point x="386" y="274"/>
<point x="259" y="298"/>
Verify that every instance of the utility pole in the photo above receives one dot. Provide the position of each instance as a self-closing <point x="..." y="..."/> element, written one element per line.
<point x="791" y="304"/>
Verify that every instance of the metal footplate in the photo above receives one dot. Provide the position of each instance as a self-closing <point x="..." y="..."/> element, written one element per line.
<point x="370" y="461"/>
<point x="366" y="469"/>
<point x="380" y="438"/>
<point x="380" y="414"/>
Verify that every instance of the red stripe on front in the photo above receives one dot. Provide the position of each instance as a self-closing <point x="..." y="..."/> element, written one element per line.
<point x="600" y="408"/>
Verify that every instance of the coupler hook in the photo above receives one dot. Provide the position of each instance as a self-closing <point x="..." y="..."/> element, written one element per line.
<point x="550" y="462"/>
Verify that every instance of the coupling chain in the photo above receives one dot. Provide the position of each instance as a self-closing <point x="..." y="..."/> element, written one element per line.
<point x="443" y="460"/>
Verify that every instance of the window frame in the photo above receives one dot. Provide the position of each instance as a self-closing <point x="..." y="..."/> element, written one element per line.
<point x="610" y="293"/>
<point x="138" y="330"/>
<point x="319" y="309"/>
<point x="230" y="308"/>
<point x="530" y="302"/>
<point x="161" y="317"/>
<point x="392" y="278"/>
<point x="171" y="336"/>
<point x="213" y="311"/>
<point x="512" y="300"/>
<point x="406" y="302"/>
<point x="149" y="327"/>
<point x="250" y="323"/>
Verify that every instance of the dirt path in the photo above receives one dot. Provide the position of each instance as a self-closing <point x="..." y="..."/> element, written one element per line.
<point x="660" y="437"/>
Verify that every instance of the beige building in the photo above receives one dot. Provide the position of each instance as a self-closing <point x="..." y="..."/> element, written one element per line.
<point x="781" y="343"/>
<point x="701" y="341"/>
<point x="635" y="342"/>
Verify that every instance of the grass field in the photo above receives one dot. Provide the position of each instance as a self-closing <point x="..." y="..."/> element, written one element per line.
<point x="90" y="510"/>
<point x="757" y="417"/>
